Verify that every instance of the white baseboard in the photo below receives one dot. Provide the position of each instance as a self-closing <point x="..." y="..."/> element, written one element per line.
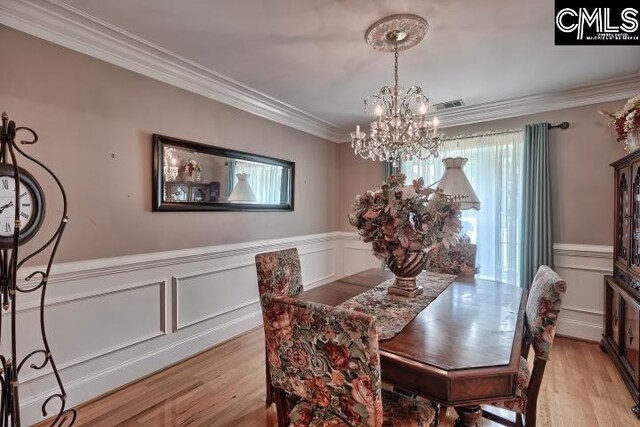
<point x="112" y="377"/>
<point x="571" y="328"/>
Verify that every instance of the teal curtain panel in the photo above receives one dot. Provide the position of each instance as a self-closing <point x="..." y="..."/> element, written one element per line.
<point x="536" y="230"/>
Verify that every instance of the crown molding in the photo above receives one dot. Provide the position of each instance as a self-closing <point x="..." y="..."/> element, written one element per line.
<point x="66" y="26"/>
<point x="603" y="91"/>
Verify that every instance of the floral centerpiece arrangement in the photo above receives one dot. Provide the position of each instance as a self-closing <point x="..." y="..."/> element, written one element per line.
<point x="189" y="170"/>
<point x="402" y="222"/>
<point x="627" y="123"/>
<point x="193" y="168"/>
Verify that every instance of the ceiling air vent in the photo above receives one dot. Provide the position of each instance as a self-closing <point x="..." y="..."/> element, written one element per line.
<point x="448" y="105"/>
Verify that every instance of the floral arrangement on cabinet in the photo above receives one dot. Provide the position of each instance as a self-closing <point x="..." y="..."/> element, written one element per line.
<point x="627" y="123"/>
<point x="403" y="221"/>
<point x="191" y="170"/>
<point x="177" y="168"/>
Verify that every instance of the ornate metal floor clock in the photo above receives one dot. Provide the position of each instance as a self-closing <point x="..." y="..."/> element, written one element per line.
<point x="22" y="212"/>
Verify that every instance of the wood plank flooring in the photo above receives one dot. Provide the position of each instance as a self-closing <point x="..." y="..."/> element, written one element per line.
<point x="225" y="387"/>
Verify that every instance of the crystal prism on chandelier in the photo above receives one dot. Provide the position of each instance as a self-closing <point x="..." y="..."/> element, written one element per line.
<point x="401" y="131"/>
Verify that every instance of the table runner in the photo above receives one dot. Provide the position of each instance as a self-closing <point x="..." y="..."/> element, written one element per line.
<point x="394" y="312"/>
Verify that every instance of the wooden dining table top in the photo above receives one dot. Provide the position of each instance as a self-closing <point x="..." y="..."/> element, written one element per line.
<point x="463" y="348"/>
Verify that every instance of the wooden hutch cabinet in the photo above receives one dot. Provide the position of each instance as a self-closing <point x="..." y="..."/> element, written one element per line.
<point x="621" y="337"/>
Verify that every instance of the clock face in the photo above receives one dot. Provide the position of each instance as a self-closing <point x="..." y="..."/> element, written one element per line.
<point x="31" y="206"/>
<point x="8" y="207"/>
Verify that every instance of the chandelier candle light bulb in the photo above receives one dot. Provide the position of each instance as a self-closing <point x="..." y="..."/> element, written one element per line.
<point x="401" y="131"/>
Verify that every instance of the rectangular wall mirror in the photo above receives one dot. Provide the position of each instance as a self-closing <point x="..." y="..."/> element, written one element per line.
<point x="189" y="176"/>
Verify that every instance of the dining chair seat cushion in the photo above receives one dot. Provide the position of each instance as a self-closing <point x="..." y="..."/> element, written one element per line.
<point x="519" y="402"/>
<point x="398" y="411"/>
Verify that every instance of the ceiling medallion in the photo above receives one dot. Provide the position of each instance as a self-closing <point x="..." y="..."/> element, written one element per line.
<point x="401" y="130"/>
<point x="411" y="30"/>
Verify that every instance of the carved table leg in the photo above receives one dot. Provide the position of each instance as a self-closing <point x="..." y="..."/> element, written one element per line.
<point x="636" y="410"/>
<point x="468" y="416"/>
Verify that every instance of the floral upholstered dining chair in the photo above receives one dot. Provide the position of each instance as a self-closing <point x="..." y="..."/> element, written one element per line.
<point x="459" y="259"/>
<point x="543" y="307"/>
<point x="329" y="359"/>
<point x="279" y="273"/>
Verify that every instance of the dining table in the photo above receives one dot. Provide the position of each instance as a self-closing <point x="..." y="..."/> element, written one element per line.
<point x="461" y="351"/>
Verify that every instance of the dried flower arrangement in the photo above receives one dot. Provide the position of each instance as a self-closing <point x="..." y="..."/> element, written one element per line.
<point x="192" y="167"/>
<point x="626" y="121"/>
<point x="397" y="219"/>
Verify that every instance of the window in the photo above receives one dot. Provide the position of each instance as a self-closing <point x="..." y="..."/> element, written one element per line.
<point x="265" y="180"/>
<point x="494" y="169"/>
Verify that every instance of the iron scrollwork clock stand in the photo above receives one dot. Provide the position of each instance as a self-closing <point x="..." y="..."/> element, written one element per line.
<point x="22" y="213"/>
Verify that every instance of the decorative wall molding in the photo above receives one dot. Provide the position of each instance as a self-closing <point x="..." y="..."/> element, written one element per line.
<point x="59" y="23"/>
<point x="603" y="91"/>
<point x="588" y="251"/>
<point x="66" y="26"/>
<point x="90" y="269"/>
<point x="583" y="311"/>
<point x="213" y="311"/>
<point x="214" y="288"/>
<point x="583" y="268"/>
<point x="162" y="326"/>
<point x="109" y="378"/>
<point x="587" y="331"/>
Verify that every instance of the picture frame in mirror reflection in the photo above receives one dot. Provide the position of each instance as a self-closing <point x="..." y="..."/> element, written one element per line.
<point x="191" y="176"/>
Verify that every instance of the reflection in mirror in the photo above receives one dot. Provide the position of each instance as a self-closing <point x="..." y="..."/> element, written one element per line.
<point x="196" y="176"/>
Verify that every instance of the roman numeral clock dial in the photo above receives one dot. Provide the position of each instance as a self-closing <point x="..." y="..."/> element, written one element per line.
<point x="30" y="205"/>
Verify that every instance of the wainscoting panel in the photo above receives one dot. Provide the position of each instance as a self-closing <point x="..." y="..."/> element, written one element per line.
<point x="583" y="268"/>
<point x="112" y="321"/>
<point x="192" y="294"/>
<point x="358" y="254"/>
<point x="318" y="265"/>
<point x="140" y="317"/>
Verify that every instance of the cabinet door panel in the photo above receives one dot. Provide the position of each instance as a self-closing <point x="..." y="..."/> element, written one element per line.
<point x="635" y="217"/>
<point x="613" y="306"/>
<point x="623" y="216"/>
<point x="631" y="351"/>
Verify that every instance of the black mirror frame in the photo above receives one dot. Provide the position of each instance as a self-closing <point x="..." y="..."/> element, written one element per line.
<point x="159" y="205"/>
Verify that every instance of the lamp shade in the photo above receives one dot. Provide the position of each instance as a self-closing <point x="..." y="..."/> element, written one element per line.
<point x="455" y="183"/>
<point x="242" y="192"/>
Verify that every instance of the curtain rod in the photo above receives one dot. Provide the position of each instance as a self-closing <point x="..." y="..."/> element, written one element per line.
<point x="481" y="134"/>
<point x="563" y="125"/>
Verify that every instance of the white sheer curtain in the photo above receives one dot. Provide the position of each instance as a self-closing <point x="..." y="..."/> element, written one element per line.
<point x="495" y="172"/>
<point x="265" y="180"/>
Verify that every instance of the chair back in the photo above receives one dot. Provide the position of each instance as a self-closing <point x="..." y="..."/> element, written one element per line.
<point x="543" y="307"/>
<point x="279" y="272"/>
<point x="459" y="259"/>
<point x="326" y="356"/>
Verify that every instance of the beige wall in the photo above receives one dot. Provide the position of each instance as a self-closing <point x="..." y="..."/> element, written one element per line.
<point x="95" y="122"/>
<point x="582" y="181"/>
<point x="356" y="176"/>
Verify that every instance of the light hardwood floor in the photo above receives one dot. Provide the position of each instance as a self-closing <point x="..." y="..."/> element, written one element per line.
<point x="225" y="387"/>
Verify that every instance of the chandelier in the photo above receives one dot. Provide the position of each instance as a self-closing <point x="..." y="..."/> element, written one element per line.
<point x="401" y="130"/>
